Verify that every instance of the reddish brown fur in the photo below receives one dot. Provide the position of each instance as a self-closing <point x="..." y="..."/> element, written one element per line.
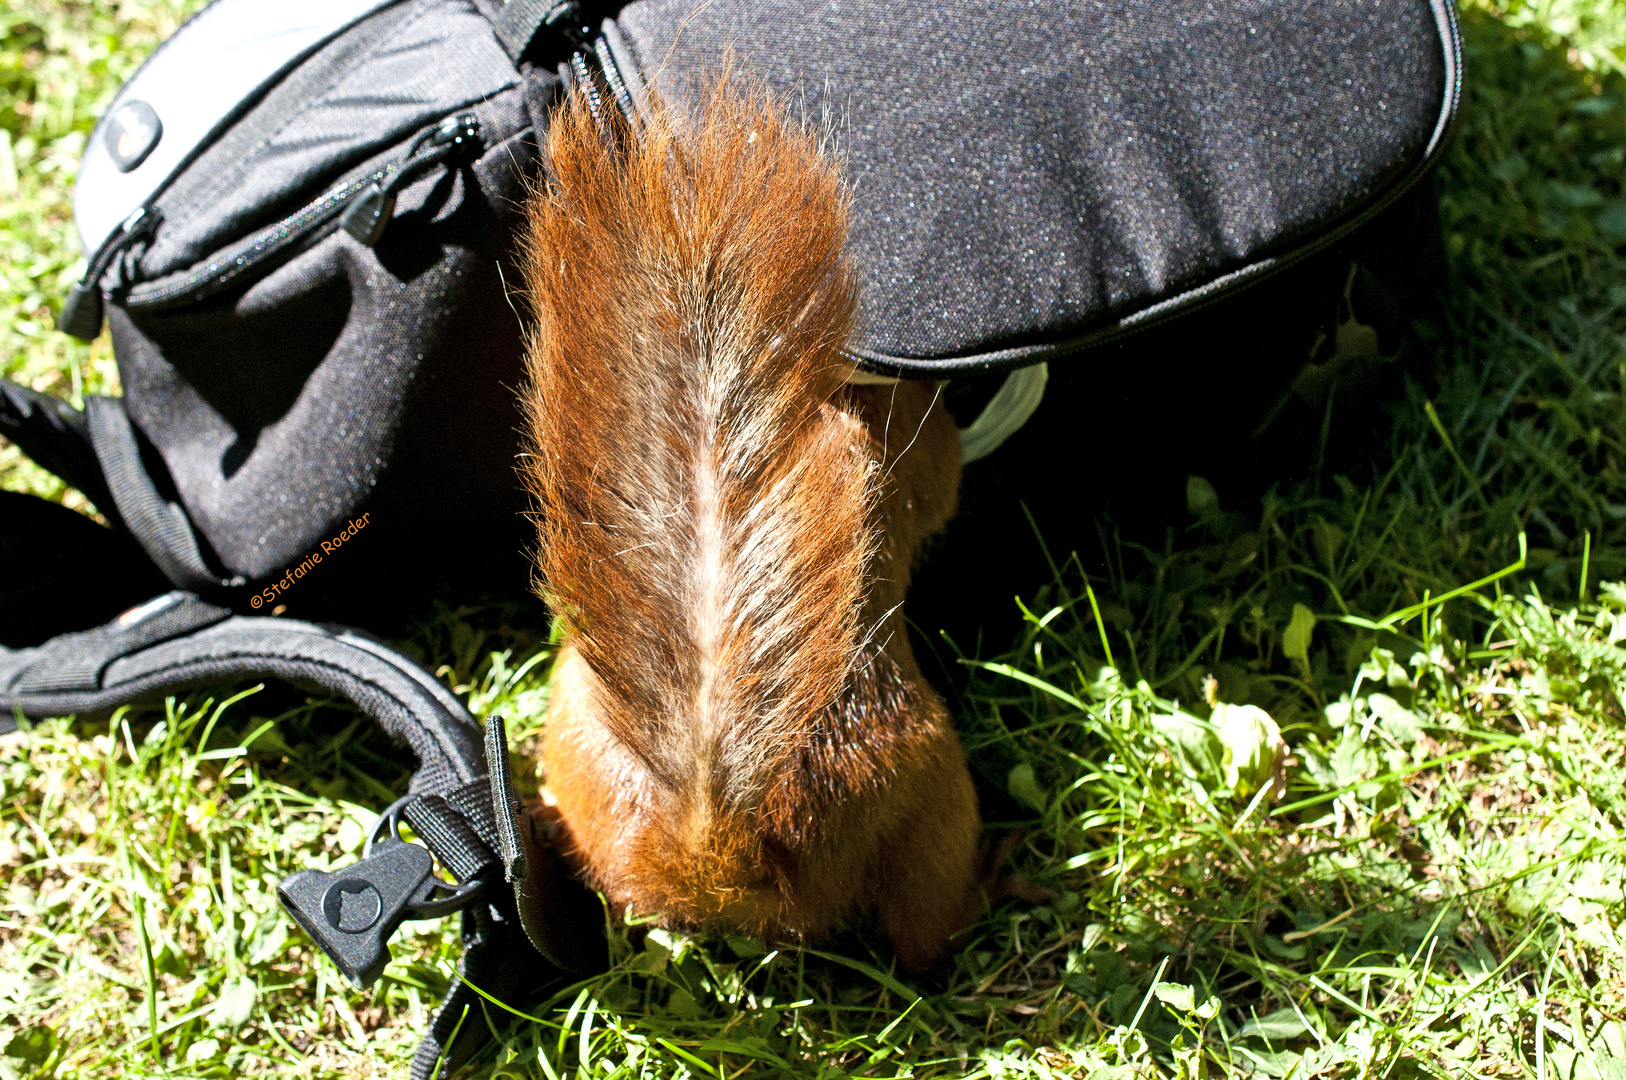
<point x="738" y="735"/>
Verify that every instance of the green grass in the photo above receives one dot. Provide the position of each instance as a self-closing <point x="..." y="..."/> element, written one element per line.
<point x="59" y="64"/>
<point x="1437" y="891"/>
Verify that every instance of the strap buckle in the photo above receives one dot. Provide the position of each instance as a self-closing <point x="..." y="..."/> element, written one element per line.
<point x="352" y="912"/>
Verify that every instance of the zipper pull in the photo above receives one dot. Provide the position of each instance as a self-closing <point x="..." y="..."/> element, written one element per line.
<point x="81" y="315"/>
<point x="569" y="21"/>
<point x="369" y="213"/>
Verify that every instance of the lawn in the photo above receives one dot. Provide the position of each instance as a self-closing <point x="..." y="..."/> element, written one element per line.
<point x="1331" y="783"/>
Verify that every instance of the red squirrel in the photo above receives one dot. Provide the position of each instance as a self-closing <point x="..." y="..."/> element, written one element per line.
<point x="738" y="736"/>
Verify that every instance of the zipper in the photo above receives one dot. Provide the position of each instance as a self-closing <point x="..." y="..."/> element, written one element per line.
<point x="594" y="74"/>
<point x="363" y="205"/>
<point x="369" y="212"/>
<point x="81" y="314"/>
<point x="592" y="69"/>
<point x="590" y="56"/>
<point x="613" y="80"/>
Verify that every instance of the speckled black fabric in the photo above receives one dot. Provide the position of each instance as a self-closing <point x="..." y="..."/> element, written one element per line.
<point x="1031" y="176"/>
<point x="339" y="378"/>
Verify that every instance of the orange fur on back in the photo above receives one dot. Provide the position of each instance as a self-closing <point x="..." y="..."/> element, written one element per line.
<point x="737" y="734"/>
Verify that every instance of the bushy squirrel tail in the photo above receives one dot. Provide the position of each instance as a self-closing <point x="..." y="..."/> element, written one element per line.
<point x="703" y="505"/>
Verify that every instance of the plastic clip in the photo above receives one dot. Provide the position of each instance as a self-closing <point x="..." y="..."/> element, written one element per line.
<point x="352" y="912"/>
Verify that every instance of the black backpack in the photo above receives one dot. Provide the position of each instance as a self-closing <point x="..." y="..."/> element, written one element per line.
<point x="301" y="222"/>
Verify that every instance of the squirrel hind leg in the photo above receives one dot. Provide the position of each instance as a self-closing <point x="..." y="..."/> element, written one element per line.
<point x="931" y="889"/>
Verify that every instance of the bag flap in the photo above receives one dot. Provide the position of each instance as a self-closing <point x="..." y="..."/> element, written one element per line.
<point x="195" y="83"/>
<point x="1033" y="179"/>
<point x="346" y="108"/>
<point x="343" y="107"/>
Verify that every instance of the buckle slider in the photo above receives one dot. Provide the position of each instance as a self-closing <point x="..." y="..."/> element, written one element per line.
<point x="351" y="912"/>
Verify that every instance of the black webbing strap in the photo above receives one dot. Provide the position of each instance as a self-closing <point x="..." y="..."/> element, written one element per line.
<point x="522" y="20"/>
<point x="450" y="836"/>
<point x="467" y="823"/>
<point x="159" y="526"/>
<point x="473" y="802"/>
<point x="56" y="436"/>
<point x="546" y="927"/>
<point x="76" y="662"/>
<point x="499" y="960"/>
<point x="506" y="953"/>
<point x="562" y="918"/>
<point x="178" y="642"/>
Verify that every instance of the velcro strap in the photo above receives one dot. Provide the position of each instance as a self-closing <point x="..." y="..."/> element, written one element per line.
<point x="511" y="843"/>
<point x="75" y="662"/>
<point x="449" y="836"/>
<point x="563" y="919"/>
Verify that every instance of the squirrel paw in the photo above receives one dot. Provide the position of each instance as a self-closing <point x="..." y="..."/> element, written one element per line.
<point x="998" y="885"/>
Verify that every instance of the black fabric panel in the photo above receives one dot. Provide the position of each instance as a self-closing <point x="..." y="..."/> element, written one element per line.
<point x="1025" y="172"/>
<point x="519" y="22"/>
<point x="280" y="409"/>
